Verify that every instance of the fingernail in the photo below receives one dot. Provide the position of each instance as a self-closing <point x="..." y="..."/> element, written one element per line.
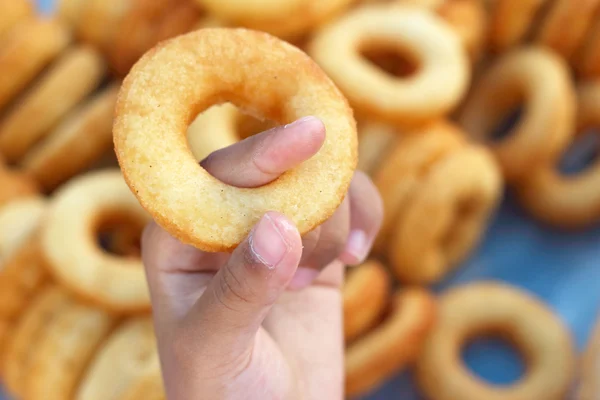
<point x="267" y="242"/>
<point x="301" y="121"/>
<point x="303" y="278"/>
<point x="357" y="245"/>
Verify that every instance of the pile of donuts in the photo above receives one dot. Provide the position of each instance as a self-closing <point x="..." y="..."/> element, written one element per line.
<point x="430" y="84"/>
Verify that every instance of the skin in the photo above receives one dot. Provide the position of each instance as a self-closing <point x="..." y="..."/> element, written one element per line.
<point x="264" y="322"/>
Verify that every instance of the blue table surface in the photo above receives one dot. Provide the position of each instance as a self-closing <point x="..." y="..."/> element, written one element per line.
<point x="562" y="268"/>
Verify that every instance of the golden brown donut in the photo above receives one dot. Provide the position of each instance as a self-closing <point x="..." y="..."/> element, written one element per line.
<point x="375" y="141"/>
<point x="393" y="345"/>
<point x="569" y="201"/>
<point x="193" y="72"/>
<point x="76" y="143"/>
<point x="431" y="92"/>
<point x="13" y="12"/>
<point x="68" y="82"/>
<point x="19" y="219"/>
<point x="589" y="382"/>
<point x="511" y="21"/>
<point x="457" y="197"/>
<point x="15" y="184"/>
<point x="25" y="51"/>
<point x="77" y="211"/>
<point x="484" y="308"/>
<point x="124" y="359"/>
<point x="537" y="80"/>
<point x="366" y="295"/>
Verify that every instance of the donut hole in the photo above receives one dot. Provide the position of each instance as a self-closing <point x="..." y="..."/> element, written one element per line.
<point x="581" y="154"/>
<point x="494" y="358"/>
<point x="120" y="235"/>
<point x="393" y="60"/>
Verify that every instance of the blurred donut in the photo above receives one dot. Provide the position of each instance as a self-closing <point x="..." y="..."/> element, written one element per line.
<point x="76" y="143"/>
<point x="12" y="12"/>
<point x="366" y="295"/>
<point x="484" y="308"/>
<point x="537" y="80"/>
<point x="67" y="83"/>
<point x="78" y="209"/>
<point x="589" y="385"/>
<point x="187" y="73"/>
<point x="432" y="91"/>
<point x="393" y="345"/>
<point x="511" y="21"/>
<point x="25" y="51"/>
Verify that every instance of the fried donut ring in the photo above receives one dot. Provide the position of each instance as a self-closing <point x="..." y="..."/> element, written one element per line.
<point x="124" y="358"/>
<point x="366" y="294"/>
<point x="487" y="307"/>
<point x="541" y="80"/>
<point x="19" y="219"/>
<point x="25" y="51"/>
<point x="589" y="387"/>
<point x="187" y="81"/>
<point x="565" y="26"/>
<point x="569" y="201"/>
<point x="392" y="346"/>
<point x="22" y="344"/>
<point x="79" y="207"/>
<point x="457" y="197"/>
<point x="76" y="143"/>
<point x="375" y="141"/>
<point x="469" y="20"/>
<point x="66" y="348"/>
<point x="511" y="20"/>
<point x="73" y="77"/>
<point x="434" y="90"/>
<point x="12" y="12"/>
<point x="15" y="184"/>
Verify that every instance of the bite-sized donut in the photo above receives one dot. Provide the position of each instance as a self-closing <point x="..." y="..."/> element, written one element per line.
<point x="375" y="141"/>
<point x="276" y="82"/>
<point x="485" y="308"/>
<point x="124" y="358"/>
<point x="78" y="210"/>
<point x="511" y="20"/>
<point x="457" y="197"/>
<point x="539" y="81"/>
<point x="25" y="50"/>
<point x="436" y="87"/>
<point x="573" y="200"/>
<point x="12" y="12"/>
<point x="366" y="296"/>
<point x="64" y="350"/>
<point x="15" y="184"/>
<point x="589" y="382"/>
<point x="76" y="143"/>
<point x="470" y="21"/>
<point x="393" y="345"/>
<point x="565" y="26"/>
<point x="19" y="219"/>
<point x="69" y="81"/>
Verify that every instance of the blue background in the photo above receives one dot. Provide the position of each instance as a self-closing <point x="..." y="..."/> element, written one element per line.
<point x="561" y="268"/>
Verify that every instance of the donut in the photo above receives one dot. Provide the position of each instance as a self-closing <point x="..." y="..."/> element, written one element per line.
<point x="366" y="295"/>
<point x="78" y="210"/>
<point x="76" y="143"/>
<point x="25" y="50"/>
<point x="13" y="12"/>
<point x="65" y="349"/>
<point x="565" y="26"/>
<point x="122" y="360"/>
<point x="19" y="219"/>
<point x="15" y="185"/>
<point x="569" y="201"/>
<point x="469" y="20"/>
<point x="375" y="141"/>
<point x="23" y="343"/>
<point x="485" y="308"/>
<point x="432" y="91"/>
<point x="458" y="197"/>
<point x="589" y="383"/>
<point x="393" y="345"/>
<point x="511" y="21"/>
<point x="537" y="80"/>
<point x="68" y="82"/>
<point x="189" y="74"/>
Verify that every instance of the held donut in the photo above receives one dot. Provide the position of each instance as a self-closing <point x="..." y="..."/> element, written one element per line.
<point x="569" y="201"/>
<point x="12" y="12"/>
<point x="537" y="80"/>
<point x="124" y="359"/>
<point x="431" y="92"/>
<point x="511" y="21"/>
<point x="380" y="354"/>
<point x="589" y="384"/>
<point x="366" y="295"/>
<point x="68" y="82"/>
<point x="482" y="308"/>
<point x="25" y="51"/>
<point x="19" y="219"/>
<point x="189" y="74"/>
<point x="78" y="210"/>
<point x="76" y="143"/>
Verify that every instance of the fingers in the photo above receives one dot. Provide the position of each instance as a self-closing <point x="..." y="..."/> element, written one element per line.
<point x="262" y="158"/>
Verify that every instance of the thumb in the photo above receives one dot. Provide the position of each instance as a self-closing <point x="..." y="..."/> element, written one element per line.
<point x="229" y="313"/>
